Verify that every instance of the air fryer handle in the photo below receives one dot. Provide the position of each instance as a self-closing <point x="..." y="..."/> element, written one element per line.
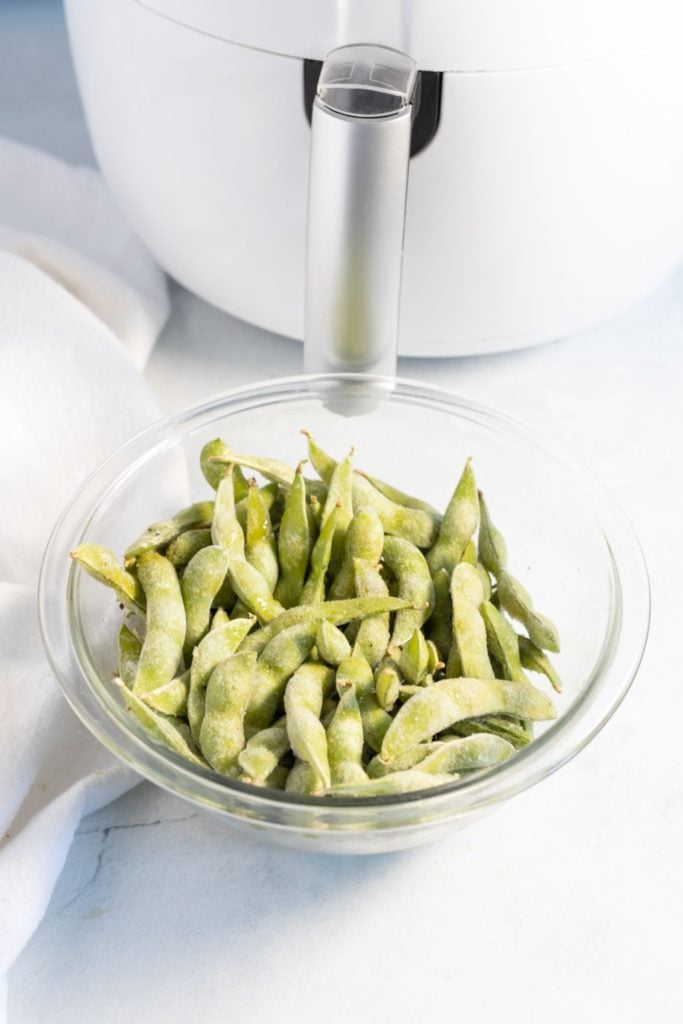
<point x="360" y="149"/>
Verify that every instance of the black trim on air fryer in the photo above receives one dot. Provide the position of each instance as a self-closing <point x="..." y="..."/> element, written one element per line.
<point x="427" y="103"/>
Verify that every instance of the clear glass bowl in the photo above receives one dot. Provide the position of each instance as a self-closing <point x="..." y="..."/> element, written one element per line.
<point x="567" y="541"/>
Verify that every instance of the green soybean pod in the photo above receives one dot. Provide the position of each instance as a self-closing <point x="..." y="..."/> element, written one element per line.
<point x="492" y="549"/>
<point x="221" y="736"/>
<point x="252" y="589"/>
<point x="336" y="612"/>
<point x="270" y="493"/>
<point x="314" y="587"/>
<point x="345" y="741"/>
<point x="199" y="586"/>
<point x="414" y="584"/>
<point x="304" y="695"/>
<point x="389" y="785"/>
<point x="162" y="647"/>
<point x="399" y="497"/>
<point x="215" y="471"/>
<point x="332" y="645"/>
<point x="414" y="659"/>
<point x="220" y="618"/>
<point x="469" y="631"/>
<point x="315" y="517"/>
<point x="510" y="729"/>
<point x="294" y="543"/>
<point x="388" y="682"/>
<point x="416" y="525"/>
<point x="339" y="501"/>
<point x="300" y="779"/>
<point x="372" y="635"/>
<point x="322" y="463"/>
<point x="459" y="523"/>
<point x="186" y="545"/>
<point x="364" y="540"/>
<point x="271" y="469"/>
<point x="129" y="654"/>
<point x="158" y="727"/>
<point x="356" y="672"/>
<point x="408" y="759"/>
<point x="263" y="752"/>
<point x="533" y="659"/>
<point x="517" y="603"/>
<point x="100" y="563"/>
<point x="217" y="645"/>
<point x="439" y="626"/>
<point x="226" y="531"/>
<point x="171" y="698"/>
<point x="260" y="546"/>
<point x="468" y="753"/>
<point x="502" y="642"/>
<point x="437" y="707"/>
<point x="159" y="534"/>
<point x="278" y="661"/>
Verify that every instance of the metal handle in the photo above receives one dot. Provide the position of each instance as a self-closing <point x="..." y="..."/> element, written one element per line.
<point x="360" y="148"/>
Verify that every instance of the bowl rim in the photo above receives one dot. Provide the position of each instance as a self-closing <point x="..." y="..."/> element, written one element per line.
<point x="610" y="678"/>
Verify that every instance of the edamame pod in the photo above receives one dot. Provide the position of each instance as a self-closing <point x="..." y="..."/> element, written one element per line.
<point x="356" y="672"/>
<point x="414" y="659"/>
<point x="158" y="727"/>
<point x="215" y="471"/>
<point x="390" y="785"/>
<point x="171" y="698"/>
<point x="263" y="752"/>
<point x="129" y="654"/>
<point x="387" y="684"/>
<point x="414" y="584"/>
<point x="217" y="645"/>
<point x="162" y="647"/>
<point x="300" y="779"/>
<point x="278" y="661"/>
<point x="469" y="631"/>
<point x="345" y="741"/>
<point x="372" y="636"/>
<point x="439" y="706"/>
<point x="502" y="642"/>
<point x="199" y="586"/>
<point x="439" y="626"/>
<point x="260" y="546"/>
<point x="221" y="737"/>
<point x="492" y="549"/>
<point x="294" y="543"/>
<point x="100" y="563"/>
<point x="458" y="525"/>
<point x="364" y="539"/>
<point x="304" y="696"/>
<point x="314" y="587"/>
<point x="336" y="612"/>
<point x="252" y="589"/>
<point x="517" y="603"/>
<point x="186" y="545"/>
<point x="332" y="645"/>
<point x="399" y="497"/>
<point x="533" y="658"/>
<point x="158" y="535"/>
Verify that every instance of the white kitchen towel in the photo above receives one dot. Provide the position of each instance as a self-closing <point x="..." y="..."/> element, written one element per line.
<point x="81" y="304"/>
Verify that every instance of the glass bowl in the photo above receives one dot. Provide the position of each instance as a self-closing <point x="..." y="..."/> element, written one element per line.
<point x="567" y="541"/>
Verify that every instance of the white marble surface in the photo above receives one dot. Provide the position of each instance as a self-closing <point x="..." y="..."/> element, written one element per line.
<point x="564" y="905"/>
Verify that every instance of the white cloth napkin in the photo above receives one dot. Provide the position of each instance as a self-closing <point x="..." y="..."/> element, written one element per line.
<point x="81" y="304"/>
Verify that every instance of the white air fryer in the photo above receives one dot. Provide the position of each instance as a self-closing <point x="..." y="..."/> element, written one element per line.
<point x="545" y="184"/>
